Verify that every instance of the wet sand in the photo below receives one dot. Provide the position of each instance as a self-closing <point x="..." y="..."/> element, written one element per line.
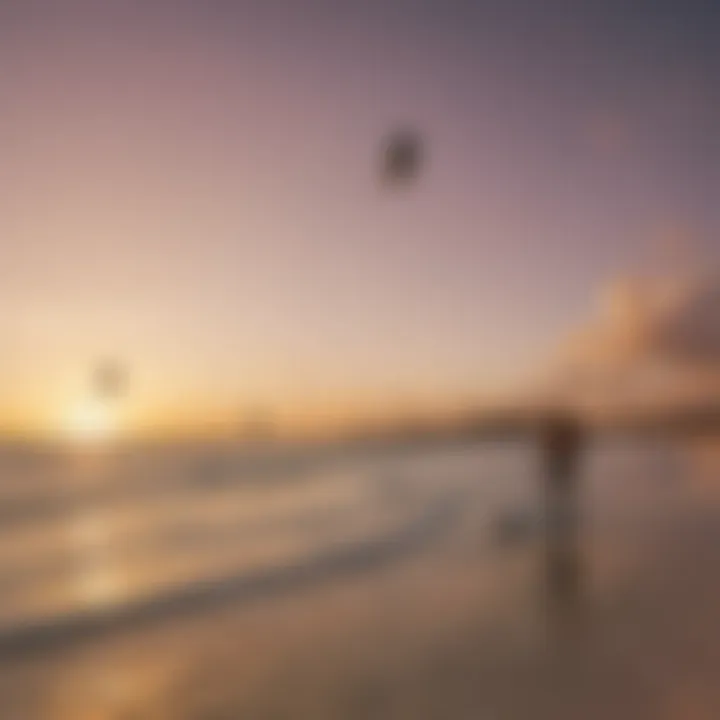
<point x="462" y="627"/>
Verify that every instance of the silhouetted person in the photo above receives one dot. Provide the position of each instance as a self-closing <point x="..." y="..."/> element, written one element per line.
<point x="562" y="445"/>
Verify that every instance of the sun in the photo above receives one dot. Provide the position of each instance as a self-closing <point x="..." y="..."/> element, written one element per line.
<point x="90" y="422"/>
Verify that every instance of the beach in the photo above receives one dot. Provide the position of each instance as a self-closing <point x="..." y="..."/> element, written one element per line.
<point x="425" y="608"/>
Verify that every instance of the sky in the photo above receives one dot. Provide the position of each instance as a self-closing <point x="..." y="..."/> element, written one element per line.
<point x="192" y="188"/>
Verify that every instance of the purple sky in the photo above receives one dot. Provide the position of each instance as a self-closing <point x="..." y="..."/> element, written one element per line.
<point x="191" y="186"/>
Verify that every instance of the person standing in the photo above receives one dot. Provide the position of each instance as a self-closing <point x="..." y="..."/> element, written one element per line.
<point x="562" y="448"/>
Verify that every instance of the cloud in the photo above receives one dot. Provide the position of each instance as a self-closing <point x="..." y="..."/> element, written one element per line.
<point x="691" y="332"/>
<point x="649" y="338"/>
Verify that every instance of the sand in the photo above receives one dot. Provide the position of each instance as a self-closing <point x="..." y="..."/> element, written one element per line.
<point x="461" y="627"/>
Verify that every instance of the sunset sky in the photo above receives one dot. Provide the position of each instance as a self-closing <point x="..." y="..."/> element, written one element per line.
<point x="191" y="186"/>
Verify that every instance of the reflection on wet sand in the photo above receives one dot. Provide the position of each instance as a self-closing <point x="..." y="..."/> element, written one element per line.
<point x="563" y="570"/>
